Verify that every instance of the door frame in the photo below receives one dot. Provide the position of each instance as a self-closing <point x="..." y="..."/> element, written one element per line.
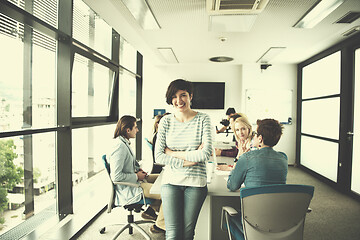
<point x="347" y="80"/>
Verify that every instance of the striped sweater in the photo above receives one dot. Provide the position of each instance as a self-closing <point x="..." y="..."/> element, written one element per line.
<point x="184" y="136"/>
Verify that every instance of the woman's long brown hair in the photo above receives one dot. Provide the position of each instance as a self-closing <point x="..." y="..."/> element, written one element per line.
<point x="124" y="123"/>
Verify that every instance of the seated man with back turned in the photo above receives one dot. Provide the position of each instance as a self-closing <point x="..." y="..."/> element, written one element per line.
<point x="264" y="166"/>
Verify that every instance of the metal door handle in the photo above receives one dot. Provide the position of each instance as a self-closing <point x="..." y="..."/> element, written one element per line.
<point x="350" y="133"/>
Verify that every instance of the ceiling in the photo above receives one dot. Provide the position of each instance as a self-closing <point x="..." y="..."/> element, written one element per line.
<point x="184" y="28"/>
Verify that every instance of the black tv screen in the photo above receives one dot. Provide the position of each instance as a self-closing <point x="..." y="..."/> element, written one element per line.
<point x="208" y="95"/>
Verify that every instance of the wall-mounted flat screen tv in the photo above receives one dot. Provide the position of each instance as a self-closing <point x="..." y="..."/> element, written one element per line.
<point x="208" y="95"/>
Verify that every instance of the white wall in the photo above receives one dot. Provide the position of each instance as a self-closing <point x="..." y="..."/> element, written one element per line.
<point x="158" y="78"/>
<point x="278" y="76"/>
<point x="237" y="79"/>
<point x="216" y="72"/>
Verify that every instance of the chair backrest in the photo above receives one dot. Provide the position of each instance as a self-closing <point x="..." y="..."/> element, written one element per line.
<point x="112" y="201"/>
<point x="106" y="164"/>
<point x="275" y="211"/>
<point x="149" y="144"/>
<point x="112" y="195"/>
<point x="155" y="168"/>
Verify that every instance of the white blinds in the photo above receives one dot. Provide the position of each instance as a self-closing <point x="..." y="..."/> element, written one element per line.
<point x="44" y="10"/>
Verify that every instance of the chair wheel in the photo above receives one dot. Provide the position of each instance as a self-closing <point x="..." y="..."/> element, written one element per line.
<point x="102" y="230"/>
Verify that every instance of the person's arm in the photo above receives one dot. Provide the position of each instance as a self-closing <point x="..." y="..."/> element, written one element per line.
<point x="221" y="129"/>
<point x="181" y="155"/>
<point x="238" y="174"/>
<point x="118" y="162"/>
<point x="160" y="146"/>
<point x="202" y="154"/>
<point x="243" y="146"/>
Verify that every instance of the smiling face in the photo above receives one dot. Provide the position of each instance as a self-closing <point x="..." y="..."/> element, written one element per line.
<point x="181" y="100"/>
<point x="241" y="130"/>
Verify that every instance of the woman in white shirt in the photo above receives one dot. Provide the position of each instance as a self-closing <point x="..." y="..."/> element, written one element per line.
<point x="125" y="168"/>
<point x="184" y="144"/>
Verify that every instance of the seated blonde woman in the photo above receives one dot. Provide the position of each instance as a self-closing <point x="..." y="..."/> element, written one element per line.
<point x="234" y="150"/>
<point x="243" y="135"/>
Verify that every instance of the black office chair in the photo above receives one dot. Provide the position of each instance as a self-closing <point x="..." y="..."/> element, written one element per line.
<point x="137" y="207"/>
<point x="157" y="168"/>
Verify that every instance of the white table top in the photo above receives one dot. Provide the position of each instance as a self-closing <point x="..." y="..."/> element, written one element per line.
<point x="217" y="186"/>
<point x="224" y="145"/>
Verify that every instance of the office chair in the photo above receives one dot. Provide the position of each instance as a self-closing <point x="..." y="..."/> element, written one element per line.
<point x="136" y="207"/>
<point x="269" y="212"/>
<point x="157" y="168"/>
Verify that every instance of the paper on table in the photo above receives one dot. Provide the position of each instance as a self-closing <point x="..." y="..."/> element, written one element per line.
<point x="220" y="172"/>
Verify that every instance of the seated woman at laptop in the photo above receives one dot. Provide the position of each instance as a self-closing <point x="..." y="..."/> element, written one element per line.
<point x="125" y="168"/>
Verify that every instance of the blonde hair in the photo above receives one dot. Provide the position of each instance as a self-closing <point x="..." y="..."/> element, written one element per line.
<point x="234" y="117"/>
<point x="246" y="122"/>
<point x="157" y="121"/>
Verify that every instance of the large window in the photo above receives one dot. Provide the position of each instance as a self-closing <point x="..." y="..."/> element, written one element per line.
<point x="89" y="178"/>
<point x="127" y="55"/>
<point x="92" y="85"/>
<point x="27" y="90"/>
<point x="44" y="10"/>
<point x="328" y="104"/>
<point x="322" y="78"/>
<point x="127" y="96"/>
<point x="320" y="156"/>
<point x="30" y="167"/>
<point x="90" y="29"/>
<point x="58" y="110"/>
<point x="319" y="119"/>
<point x="320" y="123"/>
<point x="28" y="101"/>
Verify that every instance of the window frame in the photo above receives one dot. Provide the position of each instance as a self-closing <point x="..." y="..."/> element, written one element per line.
<point x="67" y="47"/>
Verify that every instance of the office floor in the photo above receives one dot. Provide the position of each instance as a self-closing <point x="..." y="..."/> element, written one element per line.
<point x="118" y="215"/>
<point x="335" y="216"/>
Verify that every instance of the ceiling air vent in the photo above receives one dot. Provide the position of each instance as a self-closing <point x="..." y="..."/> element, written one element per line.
<point x="351" y="31"/>
<point x="220" y="7"/>
<point x="221" y="59"/>
<point x="349" y="17"/>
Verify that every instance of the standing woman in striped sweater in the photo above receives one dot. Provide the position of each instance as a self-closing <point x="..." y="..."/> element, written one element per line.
<point x="184" y="145"/>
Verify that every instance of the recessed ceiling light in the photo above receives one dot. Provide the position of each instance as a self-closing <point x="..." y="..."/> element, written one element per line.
<point x="270" y="54"/>
<point x="169" y="55"/>
<point x="317" y="13"/>
<point x="221" y="59"/>
<point x="141" y="11"/>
